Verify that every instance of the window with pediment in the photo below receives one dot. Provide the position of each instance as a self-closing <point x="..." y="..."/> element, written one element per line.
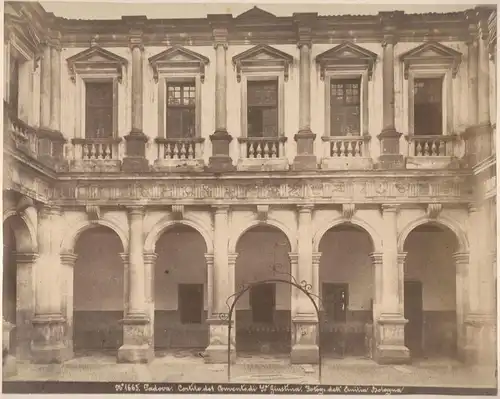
<point x="179" y="73"/>
<point x="262" y="71"/>
<point x="428" y="70"/>
<point x="346" y="70"/>
<point x="97" y="73"/>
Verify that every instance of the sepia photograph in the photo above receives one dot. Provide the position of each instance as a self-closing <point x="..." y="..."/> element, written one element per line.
<point x="249" y="198"/>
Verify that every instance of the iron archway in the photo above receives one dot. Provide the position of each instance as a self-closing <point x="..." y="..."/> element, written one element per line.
<point x="304" y="287"/>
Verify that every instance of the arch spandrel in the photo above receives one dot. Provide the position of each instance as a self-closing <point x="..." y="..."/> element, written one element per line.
<point x="72" y="234"/>
<point x="275" y="225"/>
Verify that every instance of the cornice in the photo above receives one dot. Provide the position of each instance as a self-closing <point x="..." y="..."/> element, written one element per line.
<point x="259" y="27"/>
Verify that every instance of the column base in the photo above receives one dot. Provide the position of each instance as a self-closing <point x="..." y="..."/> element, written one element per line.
<point x="137" y="341"/>
<point x="392" y="354"/>
<point x="9" y="366"/>
<point x="220" y="164"/>
<point x="304" y="162"/>
<point x="390" y="347"/>
<point x="305" y="348"/>
<point x="391" y="161"/>
<point x="481" y="345"/>
<point x="48" y="344"/>
<point x="305" y="158"/>
<point x="135" y="354"/>
<point x="217" y="350"/>
<point x="135" y="164"/>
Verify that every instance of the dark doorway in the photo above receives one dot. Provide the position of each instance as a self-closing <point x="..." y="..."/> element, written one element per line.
<point x="262" y="302"/>
<point x="191" y="303"/>
<point x="413" y="308"/>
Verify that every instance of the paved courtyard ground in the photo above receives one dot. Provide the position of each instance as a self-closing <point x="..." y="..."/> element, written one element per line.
<point x="185" y="366"/>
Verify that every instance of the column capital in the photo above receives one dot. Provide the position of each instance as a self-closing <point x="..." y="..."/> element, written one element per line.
<point x="402" y="257"/>
<point x="125" y="257"/>
<point x="221" y="209"/>
<point x="46" y="210"/>
<point x="210" y="259"/>
<point x="294" y="257"/>
<point x="389" y="38"/>
<point x="231" y="258"/>
<point x="472" y="207"/>
<point x="135" y="210"/>
<point x="389" y="208"/>
<point x="136" y="42"/>
<point x="316" y="256"/>
<point x="222" y="43"/>
<point x="53" y="40"/>
<point x="25" y="257"/>
<point x="305" y="208"/>
<point x="377" y="258"/>
<point x="149" y="257"/>
<point x="461" y="258"/>
<point x="68" y="258"/>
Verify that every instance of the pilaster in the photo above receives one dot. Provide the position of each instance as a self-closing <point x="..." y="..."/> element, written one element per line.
<point x="305" y="158"/>
<point x="25" y="311"/>
<point x="45" y="86"/>
<point x="390" y="324"/>
<point x="462" y="306"/>
<point x="136" y="346"/>
<point x="68" y="261"/>
<point x="49" y="333"/>
<point x="55" y="79"/>
<point x="305" y="319"/>
<point x="135" y="159"/>
<point x="222" y="280"/>
<point x="149" y="272"/>
<point x="390" y="156"/>
<point x="220" y="161"/>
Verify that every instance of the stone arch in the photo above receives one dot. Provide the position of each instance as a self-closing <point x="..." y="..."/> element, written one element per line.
<point x="454" y="227"/>
<point x="165" y="224"/>
<point x="73" y="233"/>
<point x="329" y="224"/>
<point x="235" y="238"/>
<point x="24" y="231"/>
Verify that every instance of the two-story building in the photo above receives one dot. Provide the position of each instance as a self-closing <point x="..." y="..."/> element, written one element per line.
<point x="154" y="168"/>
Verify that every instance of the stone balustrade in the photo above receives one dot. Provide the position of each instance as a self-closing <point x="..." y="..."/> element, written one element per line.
<point x="262" y="147"/>
<point x="96" y="149"/>
<point x="431" y="145"/>
<point x="345" y="146"/>
<point x="180" y="149"/>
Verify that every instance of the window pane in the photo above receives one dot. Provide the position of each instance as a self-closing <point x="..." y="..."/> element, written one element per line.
<point x="190" y="303"/>
<point x="262" y="93"/>
<point x="345" y="110"/>
<point x="255" y="122"/>
<point x="428" y="106"/>
<point x="181" y="94"/>
<point x="99" y="109"/>
<point x="181" y="122"/>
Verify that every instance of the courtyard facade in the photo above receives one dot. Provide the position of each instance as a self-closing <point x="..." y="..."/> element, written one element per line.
<point x="154" y="169"/>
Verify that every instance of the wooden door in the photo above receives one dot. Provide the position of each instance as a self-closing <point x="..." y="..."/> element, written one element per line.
<point x="413" y="308"/>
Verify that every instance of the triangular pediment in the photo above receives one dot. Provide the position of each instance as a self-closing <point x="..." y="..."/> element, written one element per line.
<point x="255" y="13"/>
<point x="431" y="52"/>
<point x="347" y="53"/>
<point x="262" y="54"/>
<point x="95" y="58"/>
<point x="178" y="56"/>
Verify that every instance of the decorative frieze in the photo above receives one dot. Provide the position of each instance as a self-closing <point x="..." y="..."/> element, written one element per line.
<point x="343" y="190"/>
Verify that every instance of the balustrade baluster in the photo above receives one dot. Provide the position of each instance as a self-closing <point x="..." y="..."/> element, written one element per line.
<point x="266" y="150"/>
<point x="176" y="150"/>
<point x="168" y="151"/>
<point x="182" y="151"/>
<point x="357" y="148"/>
<point x="251" y="150"/>
<point x="434" y="150"/>
<point x="259" y="150"/>
<point x="190" y="151"/>
<point x="349" y="149"/>
<point x="274" y="150"/>
<point x="85" y="151"/>
<point x="107" y="151"/>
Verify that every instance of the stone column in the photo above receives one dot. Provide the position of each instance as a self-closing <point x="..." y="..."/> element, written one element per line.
<point x="223" y="288"/>
<point x="305" y="320"/>
<point x="483" y="73"/>
<point x="220" y="160"/>
<point x="472" y="50"/>
<point x="210" y="285"/>
<point x="45" y="87"/>
<point x="135" y="159"/>
<point x="48" y="340"/>
<point x="55" y="92"/>
<point x="390" y="156"/>
<point x="68" y="261"/>
<point x="305" y="158"/>
<point x="149" y="292"/>
<point x="316" y="258"/>
<point x="390" y="345"/>
<point x="136" y="346"/>
<point x="401" y="280"/>
<point x="24" y="303"/>
<point x="377" y="261"/>
<point x="6" y="67"/>
<point x="461" y="265"/>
